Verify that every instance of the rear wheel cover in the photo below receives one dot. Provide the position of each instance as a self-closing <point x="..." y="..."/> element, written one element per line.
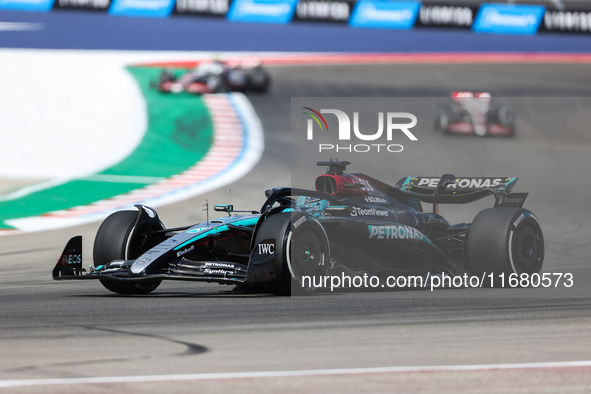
<point x="526" y="250"/>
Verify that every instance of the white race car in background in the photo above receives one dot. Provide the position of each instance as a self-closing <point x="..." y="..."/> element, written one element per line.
<point x="473" y="113"/>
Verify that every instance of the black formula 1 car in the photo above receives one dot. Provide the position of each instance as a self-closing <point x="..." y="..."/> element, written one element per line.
<point x="351" y="223"/>
<point x="472" y="113"/>
<point x="241" y="75"/>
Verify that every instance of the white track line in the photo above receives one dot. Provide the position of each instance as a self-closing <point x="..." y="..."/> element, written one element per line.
<point x="281" y="374"/>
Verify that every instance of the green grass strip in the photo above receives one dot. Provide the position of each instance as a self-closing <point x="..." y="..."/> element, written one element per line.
<point x="180" y="132"/>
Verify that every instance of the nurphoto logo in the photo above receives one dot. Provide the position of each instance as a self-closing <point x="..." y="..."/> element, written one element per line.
<point x="396" y="123"/>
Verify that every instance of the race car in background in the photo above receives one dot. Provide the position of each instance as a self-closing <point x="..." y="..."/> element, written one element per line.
<point x="472" y="113"/>
<point x="216" y="76"/>
<point x="352" y="224"/>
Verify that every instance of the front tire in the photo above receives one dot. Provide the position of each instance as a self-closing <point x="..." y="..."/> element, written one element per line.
<point x="505" y="241"/>
<point x="302" y="250"/>
<point x="446" y="114"/>
<point x="442" y="120"/>
<point x="503" y="116"/>
<point x="113" y="242"/>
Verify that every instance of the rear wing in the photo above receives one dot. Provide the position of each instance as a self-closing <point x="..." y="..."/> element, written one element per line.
<point x="460" y="95"/>
<point x="458" y="187"/>
<point x="463" y="190"/>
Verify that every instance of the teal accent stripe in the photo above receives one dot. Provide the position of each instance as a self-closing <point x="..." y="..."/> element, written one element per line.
<point x="250" y="222"/>
<point x="408" y="178"/>
<point x="202" y="235"/>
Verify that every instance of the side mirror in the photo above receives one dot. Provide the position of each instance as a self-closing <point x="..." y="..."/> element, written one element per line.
<point x="223" y="208"/>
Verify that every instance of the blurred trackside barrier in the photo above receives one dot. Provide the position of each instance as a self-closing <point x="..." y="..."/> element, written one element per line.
<point x="531" y="17"/>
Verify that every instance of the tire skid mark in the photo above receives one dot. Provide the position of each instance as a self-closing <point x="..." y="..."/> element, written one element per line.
<point x="192" y="349"/>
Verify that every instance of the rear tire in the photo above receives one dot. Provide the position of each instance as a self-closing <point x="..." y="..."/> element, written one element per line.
<point x="112" y="243"/>
<point x="505" y="241"/>
<point x="259" y="80"/>
<point x="166" y="76"/>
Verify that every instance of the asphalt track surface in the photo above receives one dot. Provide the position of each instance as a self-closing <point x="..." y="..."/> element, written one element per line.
<point x="78" y="329"/>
